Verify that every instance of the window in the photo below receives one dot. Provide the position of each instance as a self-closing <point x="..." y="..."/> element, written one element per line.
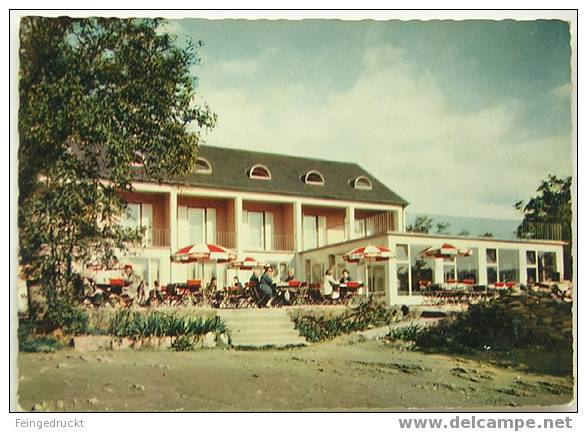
<point x="491" y="258"/>
<point x="403" y="269"/>
<point x="195" y="225"/>
<point x="509" y="265"/>
<point x="547" y="266"/>
<point x="260" y="226"/>
<point x="203" y="166"/>
<point x="531" y="267"/>
<point x="140" y="215"/>
<point x="260" y="172"/>
<point x="449" y="268"/>
<point x="314" y="178"/>
<point x="422" y="269"/>
<point x="314" y="230"/>
<point x="468" y="266"/>
<point x="362" y="182"/>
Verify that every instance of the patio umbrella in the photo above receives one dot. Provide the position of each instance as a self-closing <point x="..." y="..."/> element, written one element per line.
<point x="203" y="253"/>
<point x="247" y="263"/>
<point x="445" y="251"/>
<point x="368" y="255"/>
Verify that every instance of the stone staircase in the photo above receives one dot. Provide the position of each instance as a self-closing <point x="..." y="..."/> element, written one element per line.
<point x="260" y="327"/>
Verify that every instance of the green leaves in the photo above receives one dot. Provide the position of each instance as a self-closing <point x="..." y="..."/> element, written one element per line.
<point x="97" y="94"/>
<point x="126" y="323"/>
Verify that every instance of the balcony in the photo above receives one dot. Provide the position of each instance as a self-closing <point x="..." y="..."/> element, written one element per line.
<point x="157" y="237"/>
<point x="226" y="239"/>
<point x="277" y="243"/>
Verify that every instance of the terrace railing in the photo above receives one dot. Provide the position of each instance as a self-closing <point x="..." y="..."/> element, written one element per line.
<point x="225" y="239"/>
<point x="157" y="237"/>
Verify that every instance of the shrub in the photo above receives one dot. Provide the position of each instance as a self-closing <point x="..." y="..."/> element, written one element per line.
<point x="367" y="314"/>
<point x="126" y="323"/>
<point x="28" y="341"/>
<point x="502" y="324"/>
<point x="183" y="343"/>
<point x="65" y="316"/>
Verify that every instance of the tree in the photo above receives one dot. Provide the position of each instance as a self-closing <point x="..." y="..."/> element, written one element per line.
<point x="551" y="204"/>
<point x="96" y="96"/>
<point x="424" y="224"/>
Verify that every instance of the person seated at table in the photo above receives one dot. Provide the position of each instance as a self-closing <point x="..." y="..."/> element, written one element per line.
<point x="267" y="287"/>
<point x="237" y="286"/>
<point x="290" y="275"/>
<point x="132" y="282"/>
<point x="345" y="277"/>
<point x="330" y="286"/>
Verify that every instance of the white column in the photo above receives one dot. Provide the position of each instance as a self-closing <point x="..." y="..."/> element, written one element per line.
<point x="482" y="264"/>
<point x="390" y="277"/>
<point x="172" y="228"/>
<point x="438" y="270"/>
<point x="350" y="223"/>
<point x="238" y="226"/>
<point x="523" y="269"/>
<point x="298" y="226"/>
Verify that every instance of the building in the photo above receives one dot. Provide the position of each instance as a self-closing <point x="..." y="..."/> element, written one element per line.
<point x="302" y="213"/>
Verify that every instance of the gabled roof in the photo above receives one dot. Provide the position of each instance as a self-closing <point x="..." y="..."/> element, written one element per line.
<point x="230" y="170"/>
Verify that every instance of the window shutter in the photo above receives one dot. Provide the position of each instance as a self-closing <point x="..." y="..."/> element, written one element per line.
<point x="183" y="234"/>
<point x="147" y="222"/>
<point x="211" y="226"/>
<point x="269" y="229"/>
<point x="321" y="231"/>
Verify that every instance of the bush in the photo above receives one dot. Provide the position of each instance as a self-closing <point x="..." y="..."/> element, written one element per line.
<point x="126" y="323"/>
<point x="63" y="315"/>
<point x="367" y="314"/>
<point x="29" y="342"/>
<point x="502" y="324"/>
<point x="183" y="343"/>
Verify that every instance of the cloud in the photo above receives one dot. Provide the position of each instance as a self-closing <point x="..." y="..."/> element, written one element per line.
<point x="397" y="122"/>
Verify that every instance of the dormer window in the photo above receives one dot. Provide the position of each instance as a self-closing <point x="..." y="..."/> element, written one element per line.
<point x="203" y="166"/>
<point x="138" y="159"/>
<point x="260" y="172"/>
<point x="363" y="183"/>
<point x="314" y="178"/>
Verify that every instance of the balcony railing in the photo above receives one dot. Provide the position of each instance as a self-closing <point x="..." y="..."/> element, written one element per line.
<point x="225" y="239"/>
<point x="283" y="242"/>
<point x="373" y="225"/>
<point x="157" y="237"/>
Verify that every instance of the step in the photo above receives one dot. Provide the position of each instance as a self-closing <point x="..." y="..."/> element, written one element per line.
<point x="276" y="341"/>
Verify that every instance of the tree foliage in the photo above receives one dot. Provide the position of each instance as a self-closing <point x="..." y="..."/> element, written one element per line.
<point x="96" y="96"/>
<point x="551" y="204"/>
<point x="425" y="224"/>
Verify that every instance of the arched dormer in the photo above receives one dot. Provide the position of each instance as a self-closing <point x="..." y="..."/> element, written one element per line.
<point x="203" y="166"/>
<point x="314" y="178"/>
<point x="363" y="183"/>
<point x="260" y="172"/>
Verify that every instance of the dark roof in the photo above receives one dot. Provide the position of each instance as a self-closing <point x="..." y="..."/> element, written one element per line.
<point x="230" y="170"/>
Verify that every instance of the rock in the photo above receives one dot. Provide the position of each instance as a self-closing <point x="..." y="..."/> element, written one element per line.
<point x="92" y="343"/>
<point x="209" y="340"/>
<point x="224" y="339"/>
<point x="60" y="404"/>
<point x="93" y="401"/>
<point x="40" y="406"/>
<point x="61" y="365"/>
<point x="139" y="387"/>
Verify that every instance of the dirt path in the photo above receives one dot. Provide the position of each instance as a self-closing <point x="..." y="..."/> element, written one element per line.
<point x="336" y="375"/>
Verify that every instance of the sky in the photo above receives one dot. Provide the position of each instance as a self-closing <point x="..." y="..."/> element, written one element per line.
<point x="459" y="118"/>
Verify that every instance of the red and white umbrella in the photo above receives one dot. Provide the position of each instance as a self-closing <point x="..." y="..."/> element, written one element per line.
<point x="246" y="263"/>
<point x="203" y="252"/>
<point x="445" y="251"/>
<point x="368" y="255"/>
